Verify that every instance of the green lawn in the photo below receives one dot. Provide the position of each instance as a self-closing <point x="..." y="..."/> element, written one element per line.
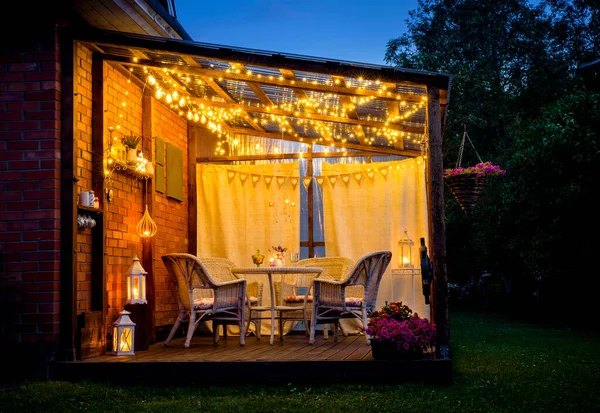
<point x="499" y="365"/>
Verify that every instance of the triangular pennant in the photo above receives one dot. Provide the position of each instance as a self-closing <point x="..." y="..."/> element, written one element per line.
<point x="333" y="179"/>
<point x="319" y="180"/>
<point x="243" y="177"/>
<point x="255" y="178"/>
<point x="306" y="181"/>
<point x="346" y="178"/>
<point x="358" y="176"/>
<point x="384" y="172"/>
<point x="230" y="174"/>
<point x="268" y="179"/>
<point x="280" y="180"/>
<point x="371" y="174"/>
<point x="294" y="181"/>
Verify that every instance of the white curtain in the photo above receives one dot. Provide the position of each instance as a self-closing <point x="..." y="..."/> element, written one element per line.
<point x="367" y="207"/>
<point x="245" y="208"/>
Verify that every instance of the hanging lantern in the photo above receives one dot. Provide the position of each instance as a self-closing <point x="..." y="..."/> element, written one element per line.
<point x="146" y="228"/>
<point x="405" y="255"/>
<point x="123" y="335"/>
<point x="136" y="283"/>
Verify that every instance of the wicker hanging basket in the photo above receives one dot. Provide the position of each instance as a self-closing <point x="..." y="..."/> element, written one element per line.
<point x="467" y="190"/>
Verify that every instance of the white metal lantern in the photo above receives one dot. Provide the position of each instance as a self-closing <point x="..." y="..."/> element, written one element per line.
<point x="123" y="335"/>
<point x="405" y="252"/>
<point x="136" y="283"/>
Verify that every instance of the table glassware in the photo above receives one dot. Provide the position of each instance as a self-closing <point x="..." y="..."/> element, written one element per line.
<point x="294" y="257"/>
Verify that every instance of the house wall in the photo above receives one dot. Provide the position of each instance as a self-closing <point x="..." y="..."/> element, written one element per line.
<point x="30" y="137"/>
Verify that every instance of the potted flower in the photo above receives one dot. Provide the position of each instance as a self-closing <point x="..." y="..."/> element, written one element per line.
<point x="131" y="143"/>
<point x="467" y="183"/>
<point x="279" y="255"/>
<point x="396" y="333"/>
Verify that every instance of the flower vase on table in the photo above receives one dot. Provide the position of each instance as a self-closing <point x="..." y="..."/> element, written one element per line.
<point x="258" y="258"/>
<point x="279" y="255"/>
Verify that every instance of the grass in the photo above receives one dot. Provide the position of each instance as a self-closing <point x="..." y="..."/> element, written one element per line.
<point x="499" y="366"/>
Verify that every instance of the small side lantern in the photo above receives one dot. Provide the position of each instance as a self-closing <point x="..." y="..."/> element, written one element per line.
<point x="136" y="283"/>
<point x="123" y="335"/>
<point x="405" y="253"/>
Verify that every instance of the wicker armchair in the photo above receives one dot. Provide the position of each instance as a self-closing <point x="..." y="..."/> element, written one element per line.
<point x="331" y="301"/>
<point x="220" y="270"/>
<point x="334" y="268"/>
<point x="226" y="305"/>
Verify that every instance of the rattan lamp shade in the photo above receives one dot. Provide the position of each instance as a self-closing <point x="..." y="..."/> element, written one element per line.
<point x="146" y="228"/>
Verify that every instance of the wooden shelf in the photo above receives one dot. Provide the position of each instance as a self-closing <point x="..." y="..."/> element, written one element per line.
<point x="124" y="168"/>
<point x="89" y="209"/>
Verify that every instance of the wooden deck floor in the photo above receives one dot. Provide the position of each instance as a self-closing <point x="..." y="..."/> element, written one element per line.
<point x="290" y="360"/>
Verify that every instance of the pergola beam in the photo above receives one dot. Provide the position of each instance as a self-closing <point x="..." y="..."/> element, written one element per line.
<point x="359" y="131"/>
<point x="277" y="156"/>
<point x="266" y="80"/>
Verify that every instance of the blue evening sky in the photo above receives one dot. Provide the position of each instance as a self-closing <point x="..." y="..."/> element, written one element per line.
<point x="355" y="30"/>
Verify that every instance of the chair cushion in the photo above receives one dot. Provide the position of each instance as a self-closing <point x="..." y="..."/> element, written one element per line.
<point x="253" y="300"/>
<point x="296" y="299"/>
<point x="203" y="303"/>
<point x="354" y="301"/>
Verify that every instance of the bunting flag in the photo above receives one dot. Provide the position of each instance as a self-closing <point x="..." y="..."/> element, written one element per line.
<point x="370" y="174"/>
<point x="346" y="178"/>
<point x="306" y="181"/>
<point x="358" y="176"/>
<point x="268" y="180"/>
<point x="319" y="180"/>
<point x="384" y="172"/>
<point x="243" y="177"/>
<point x="230" y="174"/>
<point x="294" y="182"/>
<point x="280" y="180"/>
<point x="255" y="178"/>
<point x="333" y="179"/>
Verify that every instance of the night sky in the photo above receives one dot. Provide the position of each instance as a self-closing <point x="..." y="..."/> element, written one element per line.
<point x="338" y="29"/>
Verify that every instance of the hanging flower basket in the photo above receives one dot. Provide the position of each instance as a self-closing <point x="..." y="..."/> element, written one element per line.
<point x="467" y="184"/>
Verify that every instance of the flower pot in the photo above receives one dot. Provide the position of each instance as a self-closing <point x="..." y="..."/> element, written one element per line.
<point x="467" y="190"/>
<point x="131" y="156"/>
<point x="386" y="350"/>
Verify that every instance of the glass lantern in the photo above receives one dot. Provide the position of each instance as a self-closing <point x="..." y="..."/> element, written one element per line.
<point x="405" y="252"/>
<point x="136" y="283"/>
<point x="123" y="335"/>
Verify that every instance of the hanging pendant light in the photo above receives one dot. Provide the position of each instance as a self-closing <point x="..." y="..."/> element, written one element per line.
<point x="146" y="228"/>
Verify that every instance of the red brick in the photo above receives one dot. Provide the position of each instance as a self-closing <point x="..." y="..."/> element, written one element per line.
<point x="43" y="256"/>
<point x="49" y="266"/>
<point x="40" y="297"/>
<point x="54" y="143"/>
<point x="10" y="176"/>
<point x="50" y="245"/>
<point x="23" y="205"/>
<point x="49" y="308"/>
<point x="11" y="77"/>
<point x="49" y="286"/>
<point x="49" y="124"/>
<point x="41" y="115"/>
<point x="37" y="76"/>
<point x="11" y="97"/>
<point x="50" y="164"/>
<point x="11" y="196"/>
<point x="47" y="95"/>
<point x="23" y="125"/>
<point x="11" y="155"/>
<point x="23" y="146"/>
<point x="22" y="266"/>
<point x="37" y="175"/>
<point x="8" y="116"/>
<point x="40" y="235"/>
<point x="22" y="246"/>
<point x="23" y="106"/>
<point x="42" y="155"/>
<point x="42" y="134"/>
<point x="15" y="165"/>
<point x="24" y="87"/>
<point x="34" y="277"/>
<point x="38" y="57"/>
<point x="24" y="226"/>
<point x="50" y="184"/>
<point x="48" y="328"/>
<point x="51" y="105"/>
<point x="11" y="237"/>
<point x="50" y="204"/>
<point x="50" y="85"/>
<point x="11" y="135"/>
<point x="22" y="287"/>
<point x="11" y="57"/>
<point x="26" y="328"/>
<point x="11" y="216"/>
<point x="22" y="186"/>
<point x="50" y="214"/>
<point x="22" y="67"/>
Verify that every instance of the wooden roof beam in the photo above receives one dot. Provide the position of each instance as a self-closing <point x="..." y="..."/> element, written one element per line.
<point x="266" y="80"/>
<point x="393" y="113"/>
<point x="223" y="93"/>
<point x="359" y="131"/>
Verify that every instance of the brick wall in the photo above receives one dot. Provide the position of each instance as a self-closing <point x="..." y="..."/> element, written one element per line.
<point x="123" y="111"/>
<point x="85" y="169"/>
<point x="30" y="187"/>
<point x="171" y="216"/>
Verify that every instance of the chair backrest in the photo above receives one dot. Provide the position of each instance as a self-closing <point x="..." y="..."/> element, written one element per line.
<point x="368" y="271"/>
<point x="188" y="273"/>
<point x="219" y="268"/>
<point x="334" y="268"/>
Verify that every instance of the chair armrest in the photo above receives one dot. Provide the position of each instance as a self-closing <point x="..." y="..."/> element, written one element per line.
<point x="230" y="294"/>
<point x="328" y="292"/>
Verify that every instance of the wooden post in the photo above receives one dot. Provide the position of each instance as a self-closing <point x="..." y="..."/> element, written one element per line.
<point x="192" y="202"/>
<point x="436" y="176"/>
<point x="68" y="203"/>
<point x="310" y="197"/>
<point x="148" y="244"/>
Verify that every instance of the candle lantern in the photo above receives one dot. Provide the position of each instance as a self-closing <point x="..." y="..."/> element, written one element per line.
<point x="136" y="283"/>
<point x="405" y="249"/>
<point x="123" y="335"/>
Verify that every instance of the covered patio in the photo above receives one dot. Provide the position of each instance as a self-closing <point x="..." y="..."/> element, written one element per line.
<point x="282" y="132"/>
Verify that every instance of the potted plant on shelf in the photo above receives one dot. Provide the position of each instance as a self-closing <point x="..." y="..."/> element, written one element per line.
<point x="467" y="184"/>
<point x="398" y="334"/>
<point x="131" y="142"/>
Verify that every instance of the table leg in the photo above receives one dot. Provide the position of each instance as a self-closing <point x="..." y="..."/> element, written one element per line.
<point x="272" y="289"/>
